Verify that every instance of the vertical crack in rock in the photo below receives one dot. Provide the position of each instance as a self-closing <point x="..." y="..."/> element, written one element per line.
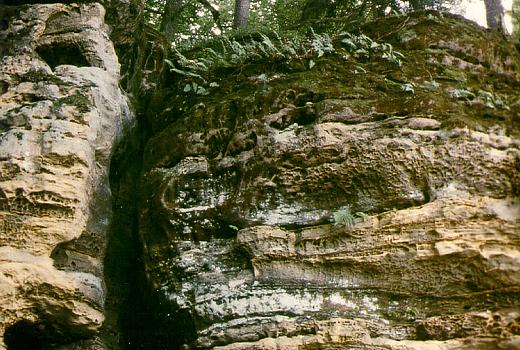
<point x="61" y="113"/>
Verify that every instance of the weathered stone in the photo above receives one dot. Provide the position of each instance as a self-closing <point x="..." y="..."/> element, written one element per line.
<point x="342" y="207"/>
<point x="61" y="112"/>
<point x="361" y="203"/>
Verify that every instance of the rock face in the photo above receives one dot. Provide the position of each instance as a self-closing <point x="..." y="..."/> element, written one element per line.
<point x="360" y="204"/>
<point x="61" y="112"/>
<point x="360" y="199"/>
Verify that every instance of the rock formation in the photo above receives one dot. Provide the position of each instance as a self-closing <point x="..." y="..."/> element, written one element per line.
<point x="355" y="201"/>
<point x="360" y="204"/>
<point x="61" y="113"/>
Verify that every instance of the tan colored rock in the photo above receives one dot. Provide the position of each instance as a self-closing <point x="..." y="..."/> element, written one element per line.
<point x="338" y="333"/>
<point x="360" y="204"/>
<point x="61" y="112"/>
<point x="481" y="232"/>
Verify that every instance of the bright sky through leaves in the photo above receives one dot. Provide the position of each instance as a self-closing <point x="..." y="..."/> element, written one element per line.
<point x="475" y="10"/>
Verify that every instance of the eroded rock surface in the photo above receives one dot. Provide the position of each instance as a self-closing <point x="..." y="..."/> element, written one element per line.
<point x="61" y="112"/>
<point x="241" y="191"/>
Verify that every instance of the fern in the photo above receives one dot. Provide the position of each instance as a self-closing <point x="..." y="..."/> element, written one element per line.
<point x="364" y="47"/>
<point x="196" y="72"/>
<point x="321" y="44"/>
<point x="344" y="217"/>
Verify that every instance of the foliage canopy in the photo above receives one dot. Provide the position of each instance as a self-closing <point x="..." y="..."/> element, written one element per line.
<point x="186" y="22"/>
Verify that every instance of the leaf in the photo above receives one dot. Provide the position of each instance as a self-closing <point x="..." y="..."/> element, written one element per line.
<point x="202" y="91"/>
<point x="188" y="74"/>
<point x="348" y="41"/>
<point x="214" y="84"/>
<point x="361" y="52"/>
<point x="361" y="70"/>
<point x="187" y="88"/>
<point x="311" y="64"/>
<point x="462" y="94"/>
<point x="408" y="88"/>
<point x="212" y="52"/>
<point x="363" y="216"/>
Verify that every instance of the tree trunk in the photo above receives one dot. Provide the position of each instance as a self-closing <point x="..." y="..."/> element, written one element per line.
<point x="515" y="15"/>
<point x="241" y="13"/>
<point x="172" y="8"/>
<point x="495" y="15"/>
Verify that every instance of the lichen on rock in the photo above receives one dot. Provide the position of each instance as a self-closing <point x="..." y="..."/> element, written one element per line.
<point x="61" y="113"/>
<point x="240" y="188"/>
<point x="237" y="204"/>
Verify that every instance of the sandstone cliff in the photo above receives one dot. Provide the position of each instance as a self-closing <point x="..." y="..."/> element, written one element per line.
<point x="61" y="113"/>
<point x="352" y="201"/>
<point x="249" y="198"/>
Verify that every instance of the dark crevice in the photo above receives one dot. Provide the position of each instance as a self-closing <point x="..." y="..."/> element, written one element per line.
<point x="6" y="13"/>
<point x="123" y="268"/>
<point x="137" y="316"/>
<point x="4" y="86"/>
<point x="63" y="53"/>
<point x="23" y="335"/>
<point x="41" y="335"/>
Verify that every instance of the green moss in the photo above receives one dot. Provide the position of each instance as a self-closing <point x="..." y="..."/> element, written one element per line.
<point x="35" y="76"/>
<point x="81" y="102"/>
<point x="369" y="85"/>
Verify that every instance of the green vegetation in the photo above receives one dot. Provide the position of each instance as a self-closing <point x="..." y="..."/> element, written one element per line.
<point x="81" y="102"/>
<point x="344" y="217"/>
<point x="187" y="22"/>
<point x="198" y="72"/>
<point x="34" y="76"/>
<point x="426" y="64"/>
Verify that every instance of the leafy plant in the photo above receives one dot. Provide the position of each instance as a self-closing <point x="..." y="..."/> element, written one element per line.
<point x="362" y="46"/>
<point x="321" y="44"/>
<point x="491" y="100"/>
<point x="462" y="94"/>
<point x="344" y="217"/>
<point x="197" y="71"/>
<point x="196" y="88"/>
<point x="406" y="87"/>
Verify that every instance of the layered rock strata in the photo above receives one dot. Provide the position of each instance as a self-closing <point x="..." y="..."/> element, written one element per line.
<point x="61" y="112"/>
<point x="358" y="204"/>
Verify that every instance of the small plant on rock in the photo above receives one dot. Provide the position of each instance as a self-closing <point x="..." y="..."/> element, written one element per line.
<point x="344" y="217"/>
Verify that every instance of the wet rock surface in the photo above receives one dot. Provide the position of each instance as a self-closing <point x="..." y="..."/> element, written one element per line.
<point x="358" y="204"/>
<point x="61" y="113"/>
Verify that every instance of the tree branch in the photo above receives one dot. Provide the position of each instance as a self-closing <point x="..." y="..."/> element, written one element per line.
<point x="214" y="12"/>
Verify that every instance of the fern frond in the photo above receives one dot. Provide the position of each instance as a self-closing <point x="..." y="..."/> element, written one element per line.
<point x="343" y="217"/>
